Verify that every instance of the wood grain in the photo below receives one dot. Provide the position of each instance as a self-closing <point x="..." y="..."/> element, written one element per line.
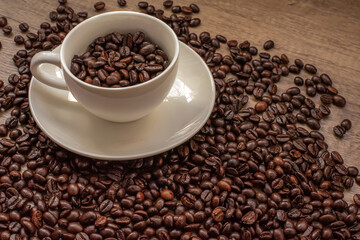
<point x="323" y="33"/>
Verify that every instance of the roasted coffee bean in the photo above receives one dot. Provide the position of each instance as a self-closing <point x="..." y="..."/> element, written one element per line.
<point x="269" y="44"/>
<point x="326" y="99"/>
<point x="121" y="69"/>
<point x="7" y="30"/>
<point x="167" y="195"/>
<point x="339" y="101"/>
<point x="122" y="3"/>
<point x="24" y="27"/>
<point x="176" y="9"/>
<point x="310" y="68"/>
<point x="346" y="124"/>
<point x="195" y="8"/>
<point x="339" y="131"/>
<point x="299" y="63"/>
<point x="143" y="5"/>
<point x="99" y="6"/>
<point x="168" y="3"/>
<point x="3" y="21"/>
<point x="18" y="39"/>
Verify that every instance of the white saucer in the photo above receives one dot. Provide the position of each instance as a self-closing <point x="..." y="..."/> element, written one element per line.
<point x="182" y="114"/>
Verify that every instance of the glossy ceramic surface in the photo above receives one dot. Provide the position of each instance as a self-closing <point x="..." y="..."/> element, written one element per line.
<point x="113" y="104"/>
<point x="181" y="115"/>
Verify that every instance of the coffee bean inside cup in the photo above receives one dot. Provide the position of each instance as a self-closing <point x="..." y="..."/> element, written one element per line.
<point x="120" y="60"/>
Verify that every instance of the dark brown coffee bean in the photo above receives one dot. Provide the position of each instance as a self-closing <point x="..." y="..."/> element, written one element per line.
<point x="3" y="21"/>
<point x="7" y="30"/>
<point x="339" y="131"/>
<point x="24" y="27"/>
<point x="249" y="218"/>
<point x="194" y="8"/>
<point x="143" y="5"/>
<point x="326" y="99"/>
<point x="99" y="6"/>
<point x="299" y="63"/>
<point x="168" y="3"/>
<point x="186" y="9"/>
<point x="346" y="124"/>
<point x="18" y="39"/>
<point x="176" y="9"/>
<point x="310" y="68"/>
<point x="313" y="123"/>
<point x="269" y="44"/>
<point x="122" y="3"/>
<point x="339" y="101"/>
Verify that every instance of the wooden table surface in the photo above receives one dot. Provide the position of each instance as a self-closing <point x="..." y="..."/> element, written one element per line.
<point x="323" y="33"/>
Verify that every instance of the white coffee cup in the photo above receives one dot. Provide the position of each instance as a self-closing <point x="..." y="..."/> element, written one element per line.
<point x="113" y="104"/>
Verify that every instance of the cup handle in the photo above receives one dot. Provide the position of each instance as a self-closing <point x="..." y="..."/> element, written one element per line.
<point x="50" y="79"/>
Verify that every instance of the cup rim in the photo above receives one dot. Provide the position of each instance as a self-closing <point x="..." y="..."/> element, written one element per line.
<point x="171" y="65"/>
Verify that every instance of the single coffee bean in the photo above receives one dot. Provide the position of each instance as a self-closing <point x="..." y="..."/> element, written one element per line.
<point x="24" y="27"/>
<point x="186" y="9"/>
<point x="218" y="214"/>
<point x="122" y="3"/>
<point x="7" y="30"/>
<point x="356" y="199"/>
<point x="176" y="9"/>
<point x="99" y="6"/>
<point x="269" y="44"/>
<point x="326" y="99"/>
<point x="346" y="124"/>
<point x="310" y="68"/>
<point x="3" y="21"/>
<point x="143" y="5"/>
<point x="299" y="63"/>
<point x="167" y="195"/>
<point x="195" y="8"/>
<point x="339" y="101"/>
<point x="168" y="3"/>
<point x="18" y="39"/>
<point x="339" y="131"/>
<point x="298" y="81"/>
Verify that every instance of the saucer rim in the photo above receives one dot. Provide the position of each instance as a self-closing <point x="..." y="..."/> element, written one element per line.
<point x="133" y="156"/>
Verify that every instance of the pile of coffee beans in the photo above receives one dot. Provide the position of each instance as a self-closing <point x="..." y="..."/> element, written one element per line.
<point x="120" y="60"/>
<point x="340" y="130"/>
<point x="250" y="173"/>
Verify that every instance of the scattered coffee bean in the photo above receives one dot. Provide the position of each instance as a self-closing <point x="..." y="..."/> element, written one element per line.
<point x="357" y="199"/>
<point x="299" y="63"/>
<point x="168" y="3"/>
<point x="143" y="5"/>
<point x="186" y="9"/>
<point x="339" y="131"/>
<point x="24" y="27"/>
<point x="346" y="124"/>
<point x="269" y="44"/>
<point x="310" y="68"/>
<point x="339" y="101"/>
<point x="7" y="30"/>
<point x="249" y="173"/>
<point x="195" y="8"/>
<point x="18" y="39"/>
<point x="99" y="6"/>
<point x="176" y="9"/>
<point x="3" y="21"/>
<point x="121" y="3"/>
<point x="298" y="81"/>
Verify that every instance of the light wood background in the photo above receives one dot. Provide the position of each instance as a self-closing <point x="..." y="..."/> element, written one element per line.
<point x="325" y="33"/>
